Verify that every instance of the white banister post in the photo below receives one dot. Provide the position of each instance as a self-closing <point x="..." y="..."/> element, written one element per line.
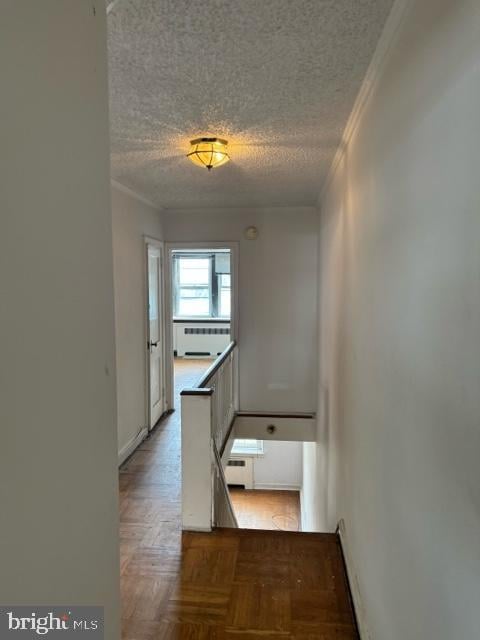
<point x="196" y="459"/>
<point x="235" y="380"/>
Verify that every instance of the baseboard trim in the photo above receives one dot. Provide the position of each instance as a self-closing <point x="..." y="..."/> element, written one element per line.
<point x="131" y="445"/>
<point x="276" y="487"/>
<point x="360" y="615"/>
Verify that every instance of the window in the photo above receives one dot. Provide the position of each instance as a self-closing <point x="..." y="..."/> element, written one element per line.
<point x="224" y="288"/>
<point x="201" y="284"/>
<point x="247" y="447"/>
<point x="193" y="288"/>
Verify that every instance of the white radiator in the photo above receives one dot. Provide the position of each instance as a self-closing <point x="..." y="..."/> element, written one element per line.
<point x="200" y="339"/>
<point x="239" y="471"/>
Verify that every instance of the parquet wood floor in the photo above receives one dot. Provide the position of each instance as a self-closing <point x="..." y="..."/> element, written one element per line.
<point x="226" y="585"/>
<point x="267" y="509"/>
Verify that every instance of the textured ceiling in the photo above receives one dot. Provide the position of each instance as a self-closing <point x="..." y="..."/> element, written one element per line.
<point x="277" y="78"/>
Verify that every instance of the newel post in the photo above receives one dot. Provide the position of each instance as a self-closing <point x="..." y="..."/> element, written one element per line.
<point x="196" y="459"/>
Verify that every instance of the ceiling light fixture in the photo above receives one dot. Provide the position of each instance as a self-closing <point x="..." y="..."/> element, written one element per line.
<point x="208" y="152"/>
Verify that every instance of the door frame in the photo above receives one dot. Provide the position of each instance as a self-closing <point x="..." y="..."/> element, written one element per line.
<point x="234" y="316"/>
<point x="159" y="244"/>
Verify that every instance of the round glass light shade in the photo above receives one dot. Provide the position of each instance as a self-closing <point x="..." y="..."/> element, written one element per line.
<point x="208" y="152"/>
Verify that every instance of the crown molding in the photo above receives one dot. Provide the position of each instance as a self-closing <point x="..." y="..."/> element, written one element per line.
<point x="374" y="72"/>
<point x="111" y="5"/>
<point x="133" y="194"/>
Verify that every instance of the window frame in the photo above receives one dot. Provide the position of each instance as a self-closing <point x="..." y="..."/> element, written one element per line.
<point x="214" y="288"/>
<point x="246" y="452"/>
<point x="219" y="293"/>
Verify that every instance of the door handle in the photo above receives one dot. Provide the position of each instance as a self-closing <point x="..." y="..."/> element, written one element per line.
<point x="153" y="344"/>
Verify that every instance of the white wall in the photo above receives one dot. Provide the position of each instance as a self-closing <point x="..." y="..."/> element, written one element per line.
<point x="58" y="450"/>
<point x="280" y="467"/>
<point x="132" y="220"/>
<point x="400" y="355"/>
<point x="277" y="298"/>
<point x="312" y="484"/>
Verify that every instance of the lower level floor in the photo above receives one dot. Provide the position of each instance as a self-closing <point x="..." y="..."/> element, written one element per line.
<point x="267" y="509"/>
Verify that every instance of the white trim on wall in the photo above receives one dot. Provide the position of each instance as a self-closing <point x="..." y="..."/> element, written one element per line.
<point x="275" y="486"/>
<point x="149" y="240"/>
<point x="288" y="428"/>
<point x="379" y="59"/>
<point x="133" y="194"/>
<point x="358" y="606"/>
<point x="131" y="445"/>
<point x="111" y="5"/>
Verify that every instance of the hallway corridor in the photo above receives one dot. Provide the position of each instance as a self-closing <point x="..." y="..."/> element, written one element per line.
<point x="224" y="585"/>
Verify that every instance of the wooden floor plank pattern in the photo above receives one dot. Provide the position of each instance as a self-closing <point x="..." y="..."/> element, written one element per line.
<point x="267" y="509"/>
<point x="227" y="585"/>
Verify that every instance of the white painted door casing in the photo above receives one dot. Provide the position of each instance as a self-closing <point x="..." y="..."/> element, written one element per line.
<point x="155" y="334"/>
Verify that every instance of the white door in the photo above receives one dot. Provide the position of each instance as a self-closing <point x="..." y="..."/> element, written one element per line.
<point x="155" y="346"/>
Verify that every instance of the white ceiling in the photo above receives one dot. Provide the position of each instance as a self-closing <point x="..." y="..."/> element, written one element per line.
<point x="277" y="78"/>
